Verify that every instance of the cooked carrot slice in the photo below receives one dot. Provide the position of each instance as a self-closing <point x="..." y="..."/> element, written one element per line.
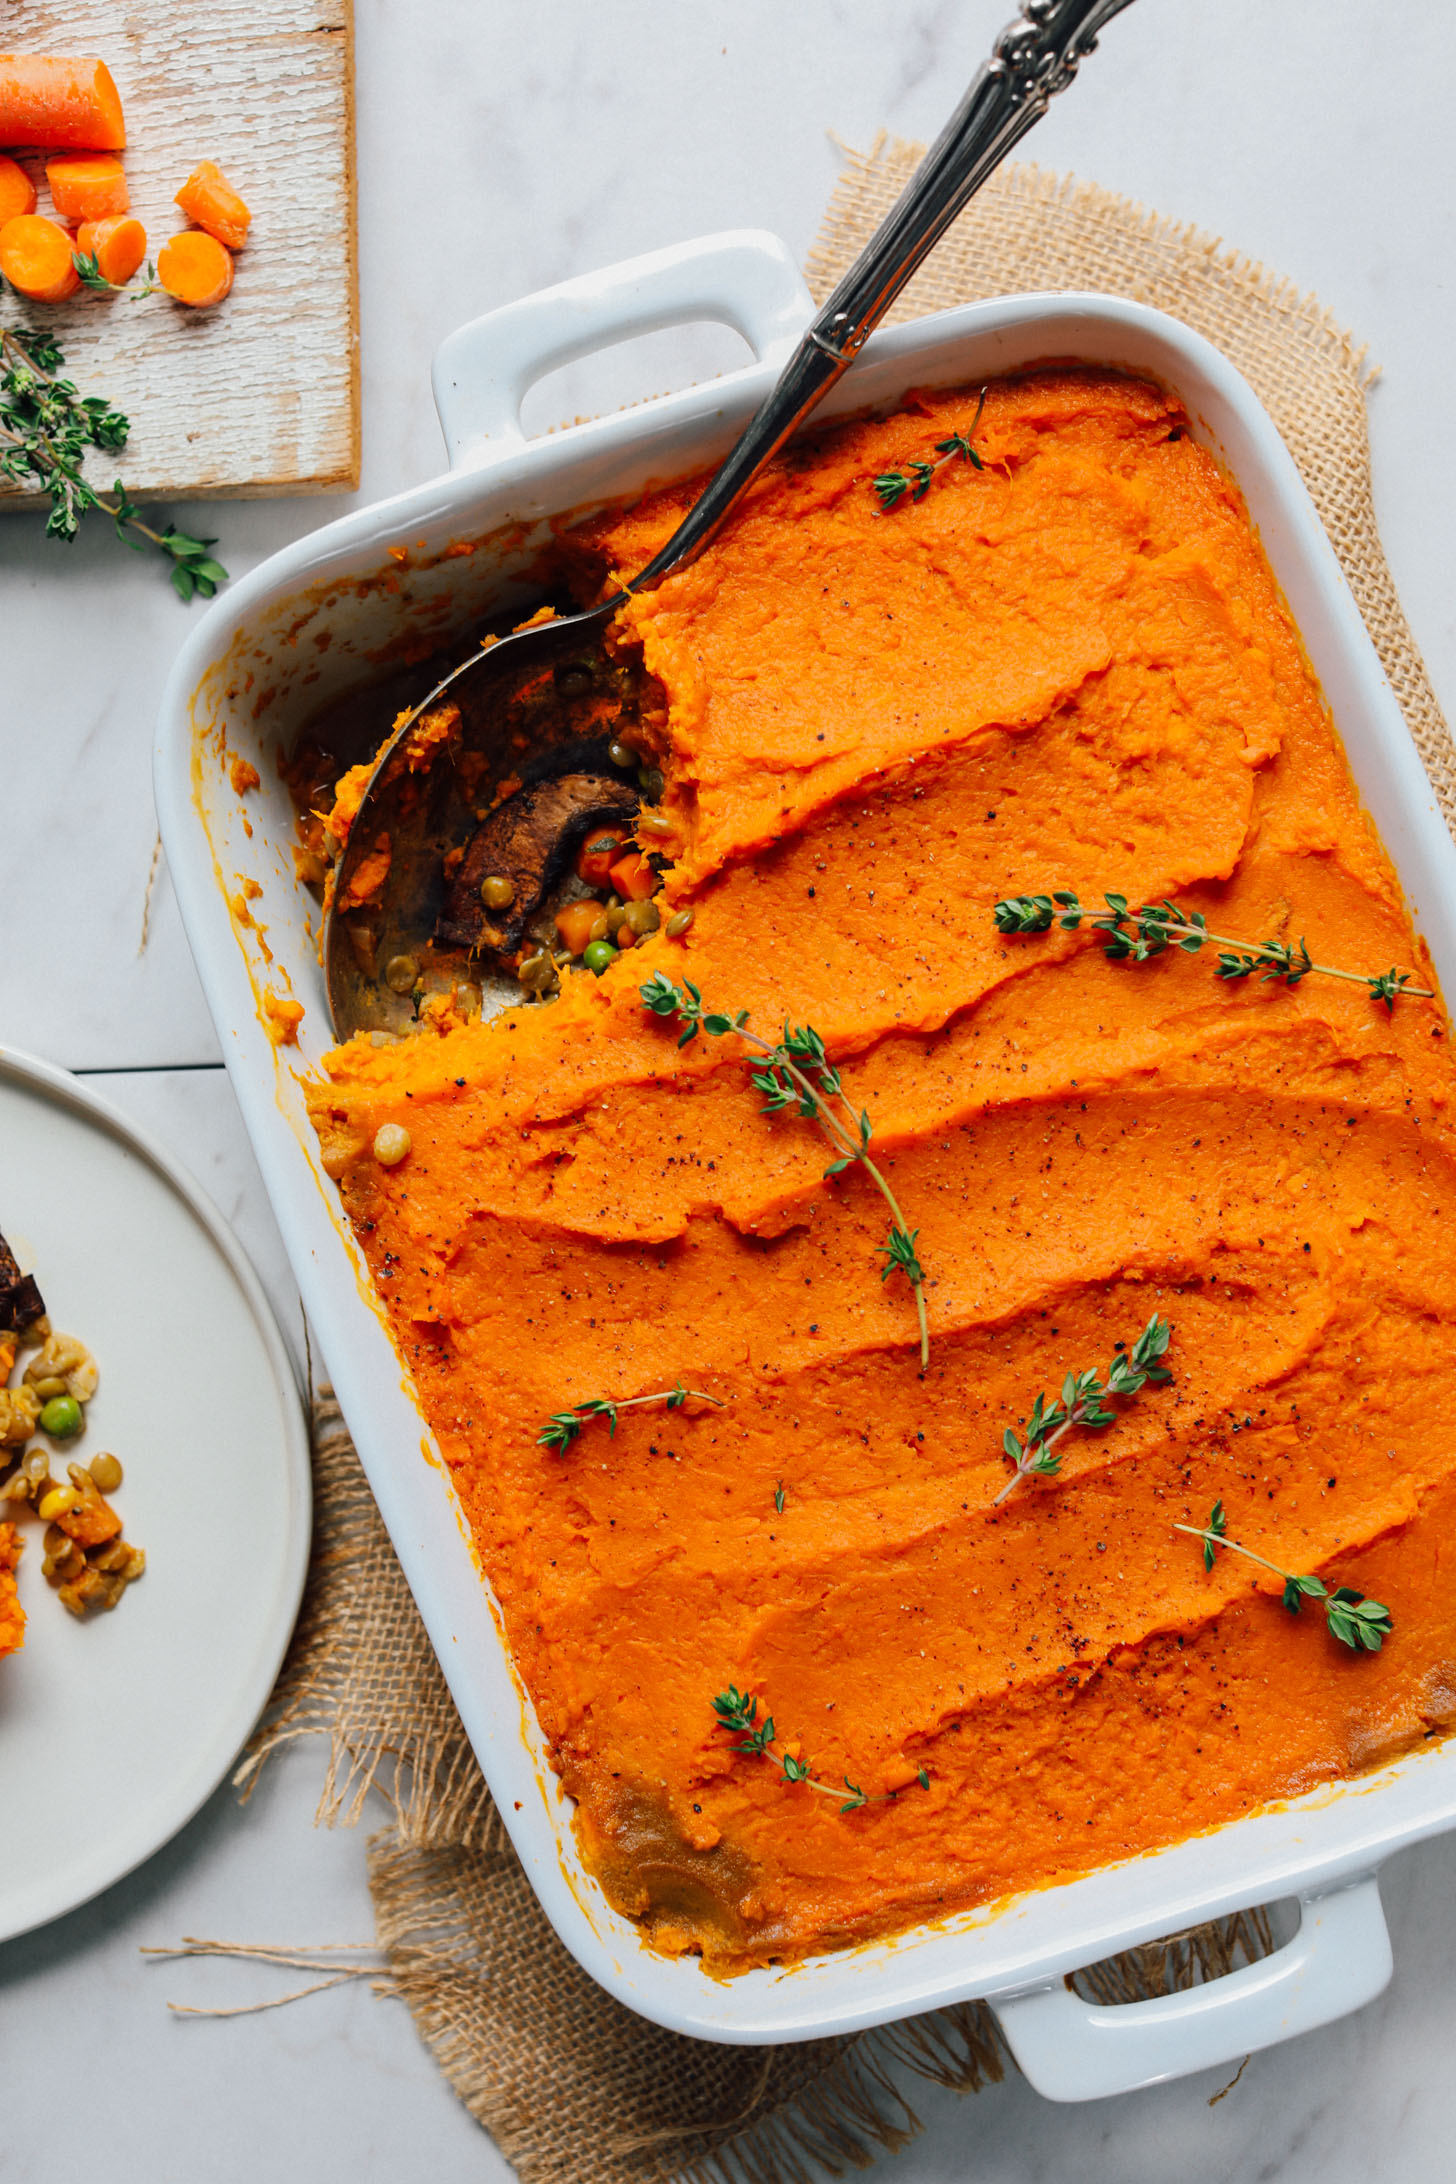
<point x="90" y="1522"/>
<point x="633" y="877"/>
<point x="195" y="269"/>
<point x="598" y="853"/>
<point x="69" y="105"/>
<point x="35" y="257"/>
<point x="118" y="246"/>
<point x="87" y="185"/>
<point x="574" y="923"/>
<point x="210" y="199"/>
<point x="17" y="191"/>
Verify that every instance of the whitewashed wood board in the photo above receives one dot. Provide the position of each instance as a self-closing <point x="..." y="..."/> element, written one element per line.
<point x="260" y="395"/>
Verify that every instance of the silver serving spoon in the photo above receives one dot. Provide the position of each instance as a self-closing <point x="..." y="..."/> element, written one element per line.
<point x="423" y="807"/>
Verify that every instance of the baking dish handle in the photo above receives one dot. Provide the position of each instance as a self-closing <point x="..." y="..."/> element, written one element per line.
<point x="744" y="278"/>
<point x="1073" y="2050"/>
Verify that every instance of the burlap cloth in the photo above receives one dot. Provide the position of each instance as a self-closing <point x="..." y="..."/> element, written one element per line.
<point x="569" y="2084"/>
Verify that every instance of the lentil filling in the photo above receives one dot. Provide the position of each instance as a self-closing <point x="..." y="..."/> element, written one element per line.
<point x="1070" y="666"/>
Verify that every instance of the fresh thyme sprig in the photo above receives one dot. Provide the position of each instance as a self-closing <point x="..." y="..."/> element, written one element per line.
<point x="738" y="1713"/>
<point x="1082" y="1405"/>
<point x="46" y="428"/>
<point x="562" y="1428"/>
<point x="799" y="1074"/>
<point x="1352" y="1618"/>
<point x="891" y="486"/>
<point x="1138" y="935"/>
<point x="88" y="267"/>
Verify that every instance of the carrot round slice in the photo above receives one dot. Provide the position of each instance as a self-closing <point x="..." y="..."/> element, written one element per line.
<point x="69" y="105"/>
<point x="118" y="246"/>
<point x="35" y="257"/>
<point x="195" y="269"/>
<point x="87" y="185"/>
<point x="17" y="191"/>
<point x="208" y="198"/>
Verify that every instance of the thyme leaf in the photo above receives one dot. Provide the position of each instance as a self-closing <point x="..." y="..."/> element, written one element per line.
<point x="88" y="267"/>
<point x="1356" y="1621"/>
<point x="46" y="429"/>
<point x="562" y="1427"/>
<point x="737" y="1712"/>
<point x="798" y="1076"/>
<point x="1136" y="936"/>
<point x="916" y="479"/>
<point x="1082" y="1403"/>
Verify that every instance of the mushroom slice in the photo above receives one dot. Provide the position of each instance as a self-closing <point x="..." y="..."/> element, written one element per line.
<point x="20" y="1298"/>
<point x="529" y="839"/>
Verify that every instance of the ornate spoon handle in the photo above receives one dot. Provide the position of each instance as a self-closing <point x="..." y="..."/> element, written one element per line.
<point x="1033" y="59"/>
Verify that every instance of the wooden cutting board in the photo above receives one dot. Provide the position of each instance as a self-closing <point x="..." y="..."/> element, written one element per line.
<point x="260" y="395"/>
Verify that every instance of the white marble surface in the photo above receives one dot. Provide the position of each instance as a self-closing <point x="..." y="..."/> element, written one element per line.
<point x="501" y="148"/>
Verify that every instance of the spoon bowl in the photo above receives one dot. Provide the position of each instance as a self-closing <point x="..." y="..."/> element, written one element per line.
<point x="422" y="802"/>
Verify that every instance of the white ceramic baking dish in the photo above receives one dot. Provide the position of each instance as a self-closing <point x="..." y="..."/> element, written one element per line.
<point x="305" y="625"/>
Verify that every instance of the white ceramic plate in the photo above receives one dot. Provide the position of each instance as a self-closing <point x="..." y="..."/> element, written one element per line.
<point x="113" y="1731"/>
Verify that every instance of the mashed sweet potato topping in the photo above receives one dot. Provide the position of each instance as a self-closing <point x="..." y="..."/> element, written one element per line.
<point x="1069" y="668"/>
<point x="12" y="1615"/>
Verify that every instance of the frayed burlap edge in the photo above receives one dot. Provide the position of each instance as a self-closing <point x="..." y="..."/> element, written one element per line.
<point x="360" y="1671"/>
<point x="571" y="2085"/>
<point x="575" y="2087"/>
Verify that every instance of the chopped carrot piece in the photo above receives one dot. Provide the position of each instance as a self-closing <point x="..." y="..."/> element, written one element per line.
<point x="69" y="105"/>
<point x="90" y="1522"/>
<point x="17" y="191"/>
<point x="574" y="924"/>
<point x="633" y="878"/>
<point x="118" y="246"/>
<point x="195" y="269"/>
<point x="598" y="853"/>
<point x="208" y="198"/>
<point x="35" y="257"/>
<point x="87" y="185"/>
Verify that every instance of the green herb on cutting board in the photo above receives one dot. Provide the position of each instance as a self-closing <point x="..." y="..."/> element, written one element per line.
<point x="46" y="428"/>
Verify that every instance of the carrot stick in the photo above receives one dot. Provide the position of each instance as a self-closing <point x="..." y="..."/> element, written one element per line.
<point x="208" y="198"/>
<point x="117" y="245"/>
<point x="87" y="185"/>
<point x="17" y="191"/>
<point x="195" y="269"/>
<point x="67" y="104"/>
<point x="35" y="257"/>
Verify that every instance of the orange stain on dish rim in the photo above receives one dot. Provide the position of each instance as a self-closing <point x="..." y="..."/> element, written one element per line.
<point x="282" y="1015"/>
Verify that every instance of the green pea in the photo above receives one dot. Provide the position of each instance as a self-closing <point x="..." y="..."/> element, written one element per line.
<point x="597" y="954"/>
<point x="61" y="1418"/>
<point x="497" y="892"/>
<point x="651" y="781"/>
